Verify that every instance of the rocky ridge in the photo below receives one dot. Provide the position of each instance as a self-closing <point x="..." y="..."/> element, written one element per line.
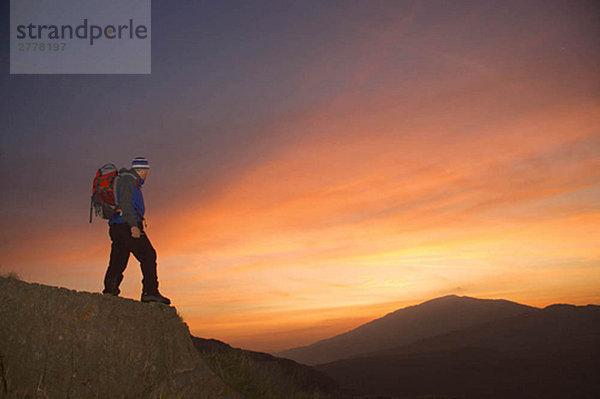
<point x="56" y="342"/>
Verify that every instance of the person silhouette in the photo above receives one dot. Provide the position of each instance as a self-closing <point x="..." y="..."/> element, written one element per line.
<point x="126" y="230"/>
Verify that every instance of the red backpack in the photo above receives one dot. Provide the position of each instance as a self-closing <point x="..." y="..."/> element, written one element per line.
<point x="103" y="201"/>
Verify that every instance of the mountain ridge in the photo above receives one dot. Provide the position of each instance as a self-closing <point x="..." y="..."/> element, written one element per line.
<point x="429" y="318"/>
<point x="550" y="352"/>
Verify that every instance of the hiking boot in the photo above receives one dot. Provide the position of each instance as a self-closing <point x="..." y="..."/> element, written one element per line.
<point x="111" y="285"/>
<point x="156" y="297"/>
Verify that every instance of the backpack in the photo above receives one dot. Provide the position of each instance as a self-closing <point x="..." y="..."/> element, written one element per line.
<point x="103" y="202"/>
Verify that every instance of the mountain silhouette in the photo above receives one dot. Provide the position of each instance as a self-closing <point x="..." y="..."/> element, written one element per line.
<point x="407" y="325"/>
<point x="561" y="328"/>
<point x="544" y="353"/>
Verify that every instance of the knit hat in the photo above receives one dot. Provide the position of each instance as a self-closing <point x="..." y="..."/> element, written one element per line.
<point x="140" y="163"/>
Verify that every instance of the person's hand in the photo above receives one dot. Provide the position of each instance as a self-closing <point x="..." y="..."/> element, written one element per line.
<point x="135" y="232"/>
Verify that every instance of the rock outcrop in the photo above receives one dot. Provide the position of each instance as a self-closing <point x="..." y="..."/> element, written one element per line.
<point x="59" y="343"/>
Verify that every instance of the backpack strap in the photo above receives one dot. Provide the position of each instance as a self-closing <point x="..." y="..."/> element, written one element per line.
<point x="91" y="207"/>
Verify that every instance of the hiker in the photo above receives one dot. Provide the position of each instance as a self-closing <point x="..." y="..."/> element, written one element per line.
<point x="128" y="236"/>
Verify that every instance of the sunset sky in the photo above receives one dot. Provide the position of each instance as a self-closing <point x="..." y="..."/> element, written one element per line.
<point x="315" y="165"/>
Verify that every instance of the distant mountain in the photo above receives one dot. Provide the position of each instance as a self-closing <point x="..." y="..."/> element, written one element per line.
<point x="404" y="326"/>
<point x="544" y="353"/>
<point x="557" y="327"/>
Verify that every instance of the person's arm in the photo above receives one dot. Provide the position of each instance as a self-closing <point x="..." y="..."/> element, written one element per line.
<point x="125" y="189"/>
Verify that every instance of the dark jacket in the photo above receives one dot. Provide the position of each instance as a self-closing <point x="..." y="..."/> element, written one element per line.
<point x="129" y="198"/>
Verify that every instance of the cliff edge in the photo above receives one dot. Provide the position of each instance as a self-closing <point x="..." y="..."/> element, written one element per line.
<point x="56" y="342"/>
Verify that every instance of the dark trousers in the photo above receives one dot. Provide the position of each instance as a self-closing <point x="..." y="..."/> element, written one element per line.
<point x="122" y="245"/>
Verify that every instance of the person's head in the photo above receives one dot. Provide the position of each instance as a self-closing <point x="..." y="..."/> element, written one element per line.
<point x="141" y="166"/>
